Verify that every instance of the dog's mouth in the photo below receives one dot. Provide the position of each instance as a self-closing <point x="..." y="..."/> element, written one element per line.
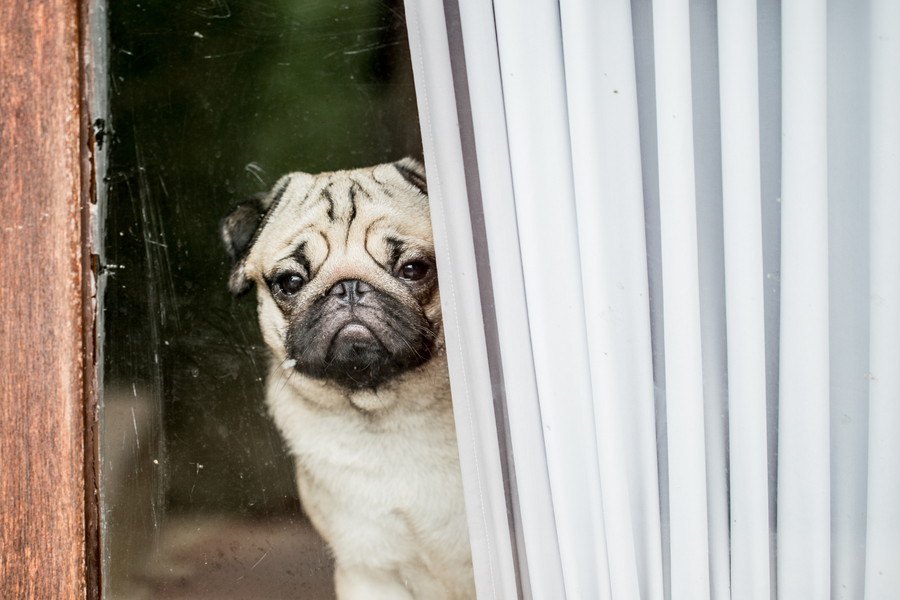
<point x="360" y="347"/>
<point x="356" y="336"/>
<point x="356" y="355"/>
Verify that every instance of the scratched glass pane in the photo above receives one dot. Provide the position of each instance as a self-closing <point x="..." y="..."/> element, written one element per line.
<point x="211" y="102"/>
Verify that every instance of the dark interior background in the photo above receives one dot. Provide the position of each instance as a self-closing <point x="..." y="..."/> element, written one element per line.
<point x="210" y="102"/>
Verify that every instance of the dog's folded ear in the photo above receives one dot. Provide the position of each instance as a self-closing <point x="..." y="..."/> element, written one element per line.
<point x="243" y="224"/>
<point x="238" y="230"/>
<point x="239" y="227"/>
<point x="413" y="171"/>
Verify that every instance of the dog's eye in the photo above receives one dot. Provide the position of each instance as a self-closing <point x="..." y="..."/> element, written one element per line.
<point x="414" y="270"/>
<point x="289" y="284"/>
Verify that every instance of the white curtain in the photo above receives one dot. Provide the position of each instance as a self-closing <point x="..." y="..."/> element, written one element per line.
<point x="672" y="232"/>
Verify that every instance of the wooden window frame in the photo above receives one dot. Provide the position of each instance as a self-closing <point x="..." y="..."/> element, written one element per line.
<point x="48" y="523"/>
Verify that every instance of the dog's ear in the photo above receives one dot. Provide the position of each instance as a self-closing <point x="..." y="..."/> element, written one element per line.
<point x="413" y="171"/>
<point x="238" y="230"/>
<point x="241" y="227"/>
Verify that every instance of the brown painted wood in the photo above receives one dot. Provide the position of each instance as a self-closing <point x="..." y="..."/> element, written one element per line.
<point x="42" y="493"/>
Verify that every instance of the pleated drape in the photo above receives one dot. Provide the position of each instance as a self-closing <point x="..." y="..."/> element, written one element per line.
<point x="688" y="217"/>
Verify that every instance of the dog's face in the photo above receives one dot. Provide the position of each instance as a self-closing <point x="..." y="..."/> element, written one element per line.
<point x="344" y="268"/>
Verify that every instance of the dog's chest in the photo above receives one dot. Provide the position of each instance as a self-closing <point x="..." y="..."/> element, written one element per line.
<point x="389" y="494"/>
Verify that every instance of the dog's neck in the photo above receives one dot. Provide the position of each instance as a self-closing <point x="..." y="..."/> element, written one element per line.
<point x="425" y="389"/>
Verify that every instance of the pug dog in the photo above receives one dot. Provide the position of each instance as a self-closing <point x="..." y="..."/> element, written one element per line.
<point x="348" y="303"/>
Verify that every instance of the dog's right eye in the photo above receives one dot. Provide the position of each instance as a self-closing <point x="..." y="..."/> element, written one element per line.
<point x="289" y="284"/>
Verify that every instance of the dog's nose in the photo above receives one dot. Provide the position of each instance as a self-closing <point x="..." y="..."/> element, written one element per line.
<point x="350" y="291"/>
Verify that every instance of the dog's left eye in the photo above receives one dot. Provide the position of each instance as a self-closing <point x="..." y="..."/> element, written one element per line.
<point x="413" y="271"/>
<point x="289" y="283"/>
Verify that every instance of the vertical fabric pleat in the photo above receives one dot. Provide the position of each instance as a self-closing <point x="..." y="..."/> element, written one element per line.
<point x="882" y="578"/>
<point x="537" y="122"/>
<point x="711" y="258"/>
<point x="848" y="227"/>
<point x="538" y="554"/>
<point x="742" y="211"/>
<point x="606" y="157"/>
<point x="768" y="27"/>
<point x="681" y="303"/>
<point x="803" y="424"/>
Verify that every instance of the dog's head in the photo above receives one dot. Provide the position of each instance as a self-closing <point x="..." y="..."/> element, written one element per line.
<point x="343" y="263"/>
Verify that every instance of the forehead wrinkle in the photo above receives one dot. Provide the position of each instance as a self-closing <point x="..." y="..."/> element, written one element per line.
<point x="349" y="189"/>
<point x="318" y="185"/>
<point x="324" y="237"/>
<point x="345" y="225"/>
<point x="354" y="191"/>
<point x="294" y="206"/>
<point x="288" y="200"/>
<point x="392" y="238"/>
<point x="367" y="237"/>
<point x="383" y="185"/>
<point x="372" y="192"/>
<point x="336" y="205"/>
<point x="411" y="208"/>
<point x="285" y="248"/>
<point x="293" y="251"/>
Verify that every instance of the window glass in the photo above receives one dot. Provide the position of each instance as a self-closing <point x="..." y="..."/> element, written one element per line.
<point x="211" y="103"/>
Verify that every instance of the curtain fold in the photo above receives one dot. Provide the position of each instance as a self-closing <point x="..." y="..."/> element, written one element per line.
<point x="745" y="312"/>
<point x="539" y="547"/>
<point x="606" y="158"/>
<point x="882" y="577"/>
<point x="804" y="485"/>
<point x="689" y="522"/>
<point x="530" y="50"/>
